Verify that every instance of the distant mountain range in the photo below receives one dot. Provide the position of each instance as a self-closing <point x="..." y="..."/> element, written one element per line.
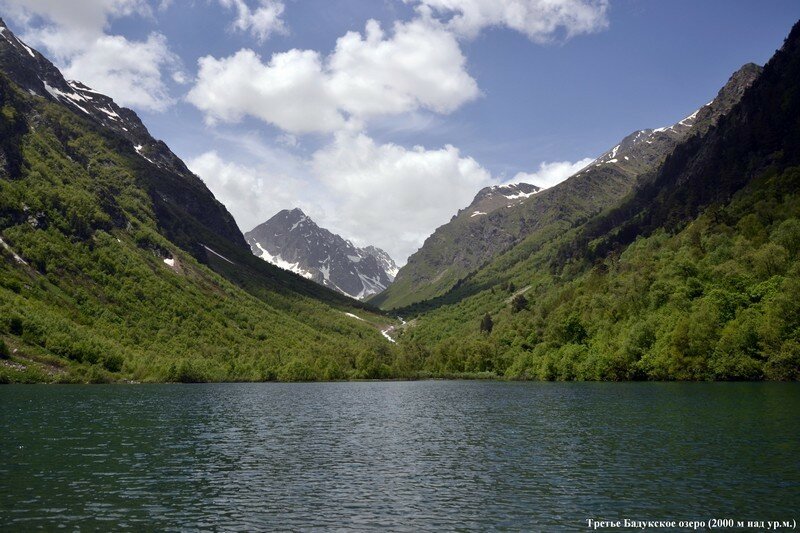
<point x="292" y="241"/>
<point x="492" y="225"/>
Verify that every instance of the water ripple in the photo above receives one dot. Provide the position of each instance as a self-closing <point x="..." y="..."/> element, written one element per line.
<point x="400" y="456"/>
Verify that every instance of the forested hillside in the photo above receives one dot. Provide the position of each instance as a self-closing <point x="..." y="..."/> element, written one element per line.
<point x="119" y="264"/>
<point x="695" y="275"/>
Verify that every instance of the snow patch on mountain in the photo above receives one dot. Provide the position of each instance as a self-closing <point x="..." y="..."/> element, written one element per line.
<point x="293" y="241"/>
<point x="278" y="261"/>
<point x="520" y="195"/>
<point x="495" y="197"/>
<point x="218" y="255"/>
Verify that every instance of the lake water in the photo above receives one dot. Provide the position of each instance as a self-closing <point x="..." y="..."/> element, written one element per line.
<point x="405" y="456"/>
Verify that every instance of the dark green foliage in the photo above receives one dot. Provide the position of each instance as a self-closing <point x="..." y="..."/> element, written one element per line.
<point x="718" y="300"/>
<point x="572" y="331"/>
<point x="187" y="371"/>
<point x="519" y="303"/>
<point x="12" y="127"/>
<point x="486" y="323"/>
<point x="15" y="325"/>
<point x="5" y="353"/>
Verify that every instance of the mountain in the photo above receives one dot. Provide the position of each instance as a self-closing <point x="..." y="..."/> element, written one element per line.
<point x="675" y="255"/>
<point x="492" y="198"/>
<point x="384" y="260"/>
<point x="467" y="242"/>
<point x="116" y="262"/>
<point x="180" y="198"/>
<point x="693" y="275"/>
<point x="292" y="241"/>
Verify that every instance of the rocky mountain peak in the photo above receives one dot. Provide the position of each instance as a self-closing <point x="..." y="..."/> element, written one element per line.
<point x="384" y="260"/>
<point x="293" y="218"/>
<point x="293" y="241"/>
<point x="510" y="191"/>
<point x="643" y="149"/>
<point x="494" y="197"/>
<point x="742" y="79"/>
<point x="730" y="94"/>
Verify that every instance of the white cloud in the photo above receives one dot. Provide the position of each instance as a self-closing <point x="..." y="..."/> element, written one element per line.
<point x="550" y="174"/>
<point x="419" y="67"/>
<point x="87" y="17"/>
<point x="289" y="91"/>
<point x="371" y="193"/>
<point x="129" y="71"/>
<point x="262" y="21"/>
<point x="254" y="193"/>
<point x="393" y="197"/>
<point x="73" y="33"/>
<point x="540" y="20"/>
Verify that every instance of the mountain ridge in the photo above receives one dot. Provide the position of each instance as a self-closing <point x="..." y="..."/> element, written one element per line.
<point x="293" y="241"/>
<point x="692" y="276"/>
<point x="173" y="183"/>
<point x="464" y="244"/>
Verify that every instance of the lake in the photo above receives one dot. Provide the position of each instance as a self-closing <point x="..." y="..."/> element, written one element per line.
<point x="399" y="455"/>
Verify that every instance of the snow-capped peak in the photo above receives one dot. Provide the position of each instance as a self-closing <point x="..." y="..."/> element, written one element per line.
<point x="293" y="241"/>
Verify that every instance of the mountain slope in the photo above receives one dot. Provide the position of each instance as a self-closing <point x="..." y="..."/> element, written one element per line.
<point x="465" y="243"/>
<point x="292" y="241"/>
<point x="186" y="211"/>
<point x="694" y="275"/>
<point x="180" y="198"/>
<point x="119" y="263"/>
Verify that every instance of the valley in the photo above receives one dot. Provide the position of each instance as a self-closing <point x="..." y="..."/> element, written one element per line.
<point x="672" y="256"/>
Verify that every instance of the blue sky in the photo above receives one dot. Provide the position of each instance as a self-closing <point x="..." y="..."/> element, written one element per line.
<point x="383" y="133"/>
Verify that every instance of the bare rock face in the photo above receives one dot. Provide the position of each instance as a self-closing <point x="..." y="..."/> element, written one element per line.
<point x="291" y="240"/>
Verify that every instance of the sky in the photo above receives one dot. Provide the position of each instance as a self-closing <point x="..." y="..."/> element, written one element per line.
<point x="381" y="118"/>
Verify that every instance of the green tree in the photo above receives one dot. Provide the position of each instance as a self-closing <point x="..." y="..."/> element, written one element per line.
<point x="519" y="303"/>
<point x="487" y="324"/>
<point x="574" y="332"/>
<point x="787" y="234"/>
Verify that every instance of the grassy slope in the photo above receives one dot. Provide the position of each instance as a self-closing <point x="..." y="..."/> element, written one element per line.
<point x="457" y="248"/>
<point x="96" y="300"/>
